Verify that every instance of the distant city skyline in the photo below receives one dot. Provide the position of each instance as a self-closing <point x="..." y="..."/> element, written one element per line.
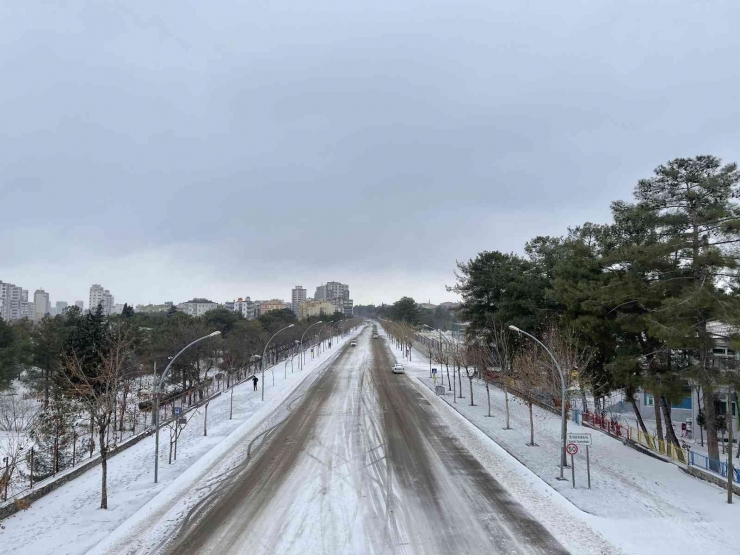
<point x="66" y="294"/>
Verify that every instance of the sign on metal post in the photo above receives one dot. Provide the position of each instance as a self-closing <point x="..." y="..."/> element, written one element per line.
<point x="182" y="421"/>
<point x="177" y="411"/>
<point x="434" y="370"/>
<point x="578" y="438"/>
<point x="575" y="439"/>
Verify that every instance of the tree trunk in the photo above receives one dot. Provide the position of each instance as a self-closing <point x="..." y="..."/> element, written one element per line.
<point x="46" y="388"/>
<point x="584" y="400"/>
<point x="638" y="416"/>
<point x="506" y="403"/>
<point x="658" y="421"/>
<point x="488" y="394"/>
<point x="701" y="429"/>
<point x="730" y="470"/>
<point x="470" y="379"/>
<point x="449" y="385"/>
<point x="123" y="407"/>
<point x="92" y="434"/>
<point x="115" y="418"/>
<point x="710" y="415"/>
<point x="104" y="466"/>
<point x="531" y="426"/>
<point x="459" y="382"/>
<point x="670" y="433"/>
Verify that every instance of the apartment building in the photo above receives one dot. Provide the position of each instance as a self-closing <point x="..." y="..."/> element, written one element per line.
<point x="103" y="297"/>
<point x="246" y="307"/>
<point x="197" y="307"/>
<point x="13" y="302"/>
<point x="316" y="308"/>
<point x="41" y="304"/>
<point x="272" y="304"/>
<point x="298" y="297"/>
<point x="336" y="293"/>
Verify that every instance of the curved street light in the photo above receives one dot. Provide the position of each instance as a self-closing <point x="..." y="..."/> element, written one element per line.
<point x="304" y="335"/>
<point x="562" y="401"/>
<point x="156" y="398"/>
<point x="264" y="354"/>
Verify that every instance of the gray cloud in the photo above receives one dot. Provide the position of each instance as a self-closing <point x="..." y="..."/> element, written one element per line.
<point x="171" y="149"/>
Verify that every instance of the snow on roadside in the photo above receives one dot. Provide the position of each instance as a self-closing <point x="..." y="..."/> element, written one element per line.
<point x="68" y="520"/>
<point x="638" y="503"/>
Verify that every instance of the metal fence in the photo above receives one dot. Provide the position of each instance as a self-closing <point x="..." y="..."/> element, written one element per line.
<point x="712" y="465"/>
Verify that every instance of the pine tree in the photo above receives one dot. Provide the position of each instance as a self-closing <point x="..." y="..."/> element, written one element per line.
<point x="692" y="204"/>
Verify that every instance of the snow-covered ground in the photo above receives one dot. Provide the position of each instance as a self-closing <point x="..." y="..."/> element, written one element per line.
<point x="69" y="521"/>
<point x="640" y="504"/>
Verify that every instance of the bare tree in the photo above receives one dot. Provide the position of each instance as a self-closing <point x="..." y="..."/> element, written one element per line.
<point x="17" y="412"/>
<point x="529" y="373"/>
<point x="466" y="355"/>
<point x="17" y="416"/>
<point x="538" y="374"/>
<point x="97" y="387"/>
<point x="503" y="354"/>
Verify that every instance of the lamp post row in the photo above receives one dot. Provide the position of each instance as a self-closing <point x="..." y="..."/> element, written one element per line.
<point x="172" y="360"/>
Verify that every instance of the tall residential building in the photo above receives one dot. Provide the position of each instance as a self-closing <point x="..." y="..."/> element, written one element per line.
<point x="298" y="297"/>
<point x="80" y="305"/>
<point x="246" y="307"/>
<point x="337" y="294"/>
<point x="103" y="297"/>
<point x="41" y="304"/>
<point x="61" y="306"/>
<point x="12" y="299"/>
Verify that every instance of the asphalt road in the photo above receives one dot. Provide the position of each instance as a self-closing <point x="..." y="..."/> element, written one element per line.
<point x="361" y="464"/>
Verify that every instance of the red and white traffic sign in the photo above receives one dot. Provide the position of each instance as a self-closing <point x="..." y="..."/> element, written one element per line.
<point x="571" y="449"/>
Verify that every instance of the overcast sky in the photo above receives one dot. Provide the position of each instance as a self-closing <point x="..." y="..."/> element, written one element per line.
<point x="170" y="149"/>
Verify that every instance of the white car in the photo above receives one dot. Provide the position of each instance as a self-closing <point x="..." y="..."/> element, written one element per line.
<point x="398" y="369"/>
<point x="353" y="343"/>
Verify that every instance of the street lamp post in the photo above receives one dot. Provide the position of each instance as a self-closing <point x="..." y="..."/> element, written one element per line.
<point x="430" y="353"/>
<point x="264" y="354"/>
<point x="562" y="401"/>
<point x="156" y="399"/>
<point x="318" y="343"/>
<point x="304" y="335"/>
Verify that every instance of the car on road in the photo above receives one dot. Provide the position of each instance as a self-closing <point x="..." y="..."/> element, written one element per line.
<point x="353" y="343"/>
<point x="398" y="369"/>
<point x="375" y="336"/>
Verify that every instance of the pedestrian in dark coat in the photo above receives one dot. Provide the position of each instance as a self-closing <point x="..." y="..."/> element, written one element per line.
<point x="254" y="381"/>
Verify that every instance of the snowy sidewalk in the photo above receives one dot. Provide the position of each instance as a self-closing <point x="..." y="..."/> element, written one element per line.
<point x="69" y="521"/>
<point x="640" y="503"/>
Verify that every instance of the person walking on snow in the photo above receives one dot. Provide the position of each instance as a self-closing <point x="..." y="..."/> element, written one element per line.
<point x="254" y="381"/>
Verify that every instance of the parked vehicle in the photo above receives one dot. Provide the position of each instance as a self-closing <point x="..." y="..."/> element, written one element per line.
<point x="375" y="336"/>
<point x="398" y="369"/>
<point x="353" y="343"/>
